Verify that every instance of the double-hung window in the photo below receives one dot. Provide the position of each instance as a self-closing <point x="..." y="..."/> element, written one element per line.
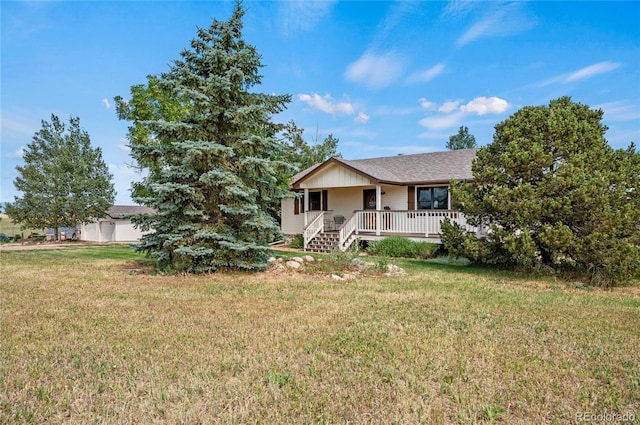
<point x="433" y="198"/>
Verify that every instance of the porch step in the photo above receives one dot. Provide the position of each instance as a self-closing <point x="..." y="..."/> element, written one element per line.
<point x="324" y="242"/>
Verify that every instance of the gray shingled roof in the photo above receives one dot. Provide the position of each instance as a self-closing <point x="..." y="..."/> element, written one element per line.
<point x="407" y="169"/>
<point x="119" y="211"/>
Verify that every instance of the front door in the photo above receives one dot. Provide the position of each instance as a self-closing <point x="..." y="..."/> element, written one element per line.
<point x="368" y="223"/>
<point x="369" y="199"/>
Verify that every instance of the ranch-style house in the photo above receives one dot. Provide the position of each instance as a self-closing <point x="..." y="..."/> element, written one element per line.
<point x="339" y="200"/>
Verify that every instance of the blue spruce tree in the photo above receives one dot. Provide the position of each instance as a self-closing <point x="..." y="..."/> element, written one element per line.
<point x="212" y="159"/>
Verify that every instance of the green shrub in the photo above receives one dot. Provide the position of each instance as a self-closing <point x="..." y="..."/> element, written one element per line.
<point x="400" y="246"/>
<point x="297" y="242"/>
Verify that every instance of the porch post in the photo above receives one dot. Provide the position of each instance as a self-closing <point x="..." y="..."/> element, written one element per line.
<point x="306" y="206"/>
<point x="378" y="208"/>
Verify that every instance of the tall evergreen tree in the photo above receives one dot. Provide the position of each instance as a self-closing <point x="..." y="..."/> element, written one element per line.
<point x="64" y="181"/>
<point x="213" y="166"/>
<point x="462" y="140"/>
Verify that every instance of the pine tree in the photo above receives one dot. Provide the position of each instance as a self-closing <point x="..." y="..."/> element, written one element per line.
<point x="556" y="196"/>
<point x="214" y="171"/>
<point x="462" y="140"/>
<point x="64" y="181"/>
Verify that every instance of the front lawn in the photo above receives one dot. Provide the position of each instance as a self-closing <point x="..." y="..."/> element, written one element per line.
<point x="92" y="335"/>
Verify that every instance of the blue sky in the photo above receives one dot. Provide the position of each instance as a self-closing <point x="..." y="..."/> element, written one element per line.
<point x="385" y="78"/>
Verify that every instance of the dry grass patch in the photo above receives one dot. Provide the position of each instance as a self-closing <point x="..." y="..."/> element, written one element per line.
<point x="84" y="340"/>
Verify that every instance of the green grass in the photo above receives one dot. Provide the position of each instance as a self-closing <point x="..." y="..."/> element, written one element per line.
<point x="76" y="252"/>
<point x="83" y="340"/>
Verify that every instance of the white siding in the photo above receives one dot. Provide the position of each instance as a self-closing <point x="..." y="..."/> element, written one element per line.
<point x="344" y="201"/>
<point x="395" y="197"/>
<point x="335" y="176"/>
<point x="125" y="232"/>
<point x="292" y="224"/>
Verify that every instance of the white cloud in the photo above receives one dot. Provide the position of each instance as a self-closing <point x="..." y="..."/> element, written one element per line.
<point x="376" y="70"/>
<point x="326" y="104"/>
<point x="582" y="74"/>
<point x="486" y="105"/>
<point x="106" y="103"/>
<point x="452" y="114"/>
<point x="427" y="74"/>
<point x="501" y="21"/>
<point x="427" y="104"/>
<point x="449" y="106"/>
<point x="362" y="118"/>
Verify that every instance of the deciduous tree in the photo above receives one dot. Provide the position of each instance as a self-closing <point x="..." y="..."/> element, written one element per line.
<point x="64" y="181"/>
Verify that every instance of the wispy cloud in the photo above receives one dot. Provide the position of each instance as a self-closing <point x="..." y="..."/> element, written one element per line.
<point x="362" y="118"/>
<point x="439" y="122"/>
<point x="106" y="103"/>
<point x="376" y="70"/>
<point x="582" y="74"/>
<point x="327" y="104"/>
<point x="426" y="75"/>
<point x="395" y="17"/>
<point x="501" y="20"/>
<point x="302" y="15"/>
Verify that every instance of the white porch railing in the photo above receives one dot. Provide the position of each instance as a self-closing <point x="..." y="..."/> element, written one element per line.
<point x="412" y="222"/>
<point x="315" y="226"/>
<point x="417" y="223"/>
<point x="348" y="229"/>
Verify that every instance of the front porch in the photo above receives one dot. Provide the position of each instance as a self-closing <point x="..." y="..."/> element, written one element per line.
<point x="423" y="225"/>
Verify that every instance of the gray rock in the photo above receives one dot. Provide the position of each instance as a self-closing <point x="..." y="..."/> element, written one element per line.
<point x="293" y="265"/>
